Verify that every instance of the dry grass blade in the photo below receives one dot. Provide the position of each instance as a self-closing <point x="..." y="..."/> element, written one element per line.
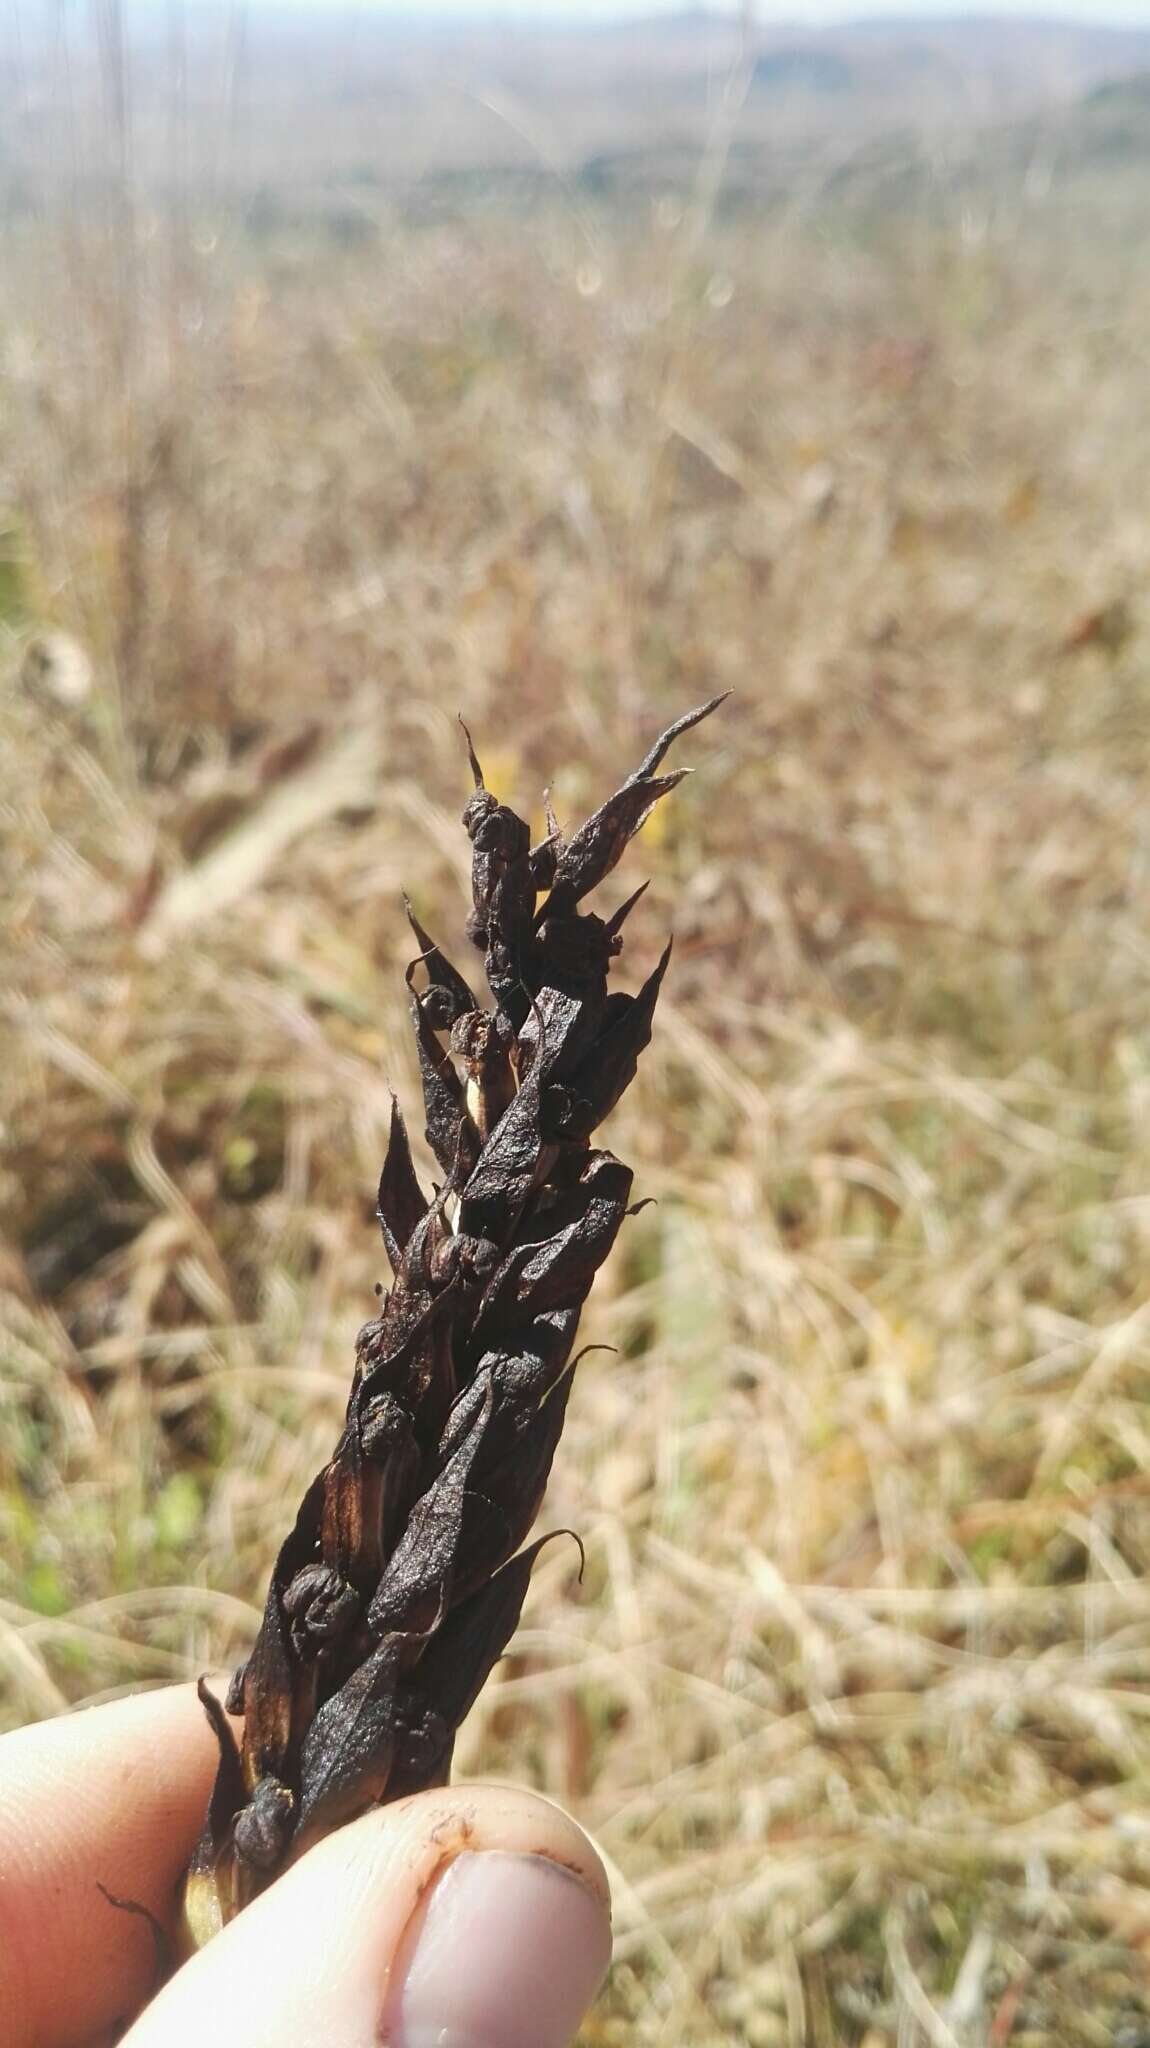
<point x="339" y="779"/>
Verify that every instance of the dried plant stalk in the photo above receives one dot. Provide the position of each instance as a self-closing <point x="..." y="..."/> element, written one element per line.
<point x="403" y="1578"/>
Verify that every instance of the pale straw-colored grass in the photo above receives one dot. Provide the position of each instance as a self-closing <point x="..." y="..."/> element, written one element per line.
<point x="854" y="1691"/>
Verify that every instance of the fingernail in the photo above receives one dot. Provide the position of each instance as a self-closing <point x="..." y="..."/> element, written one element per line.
<point x="505" y="1952"/>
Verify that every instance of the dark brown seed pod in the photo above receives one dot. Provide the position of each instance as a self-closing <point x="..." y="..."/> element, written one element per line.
<point x="402" y="1579"/>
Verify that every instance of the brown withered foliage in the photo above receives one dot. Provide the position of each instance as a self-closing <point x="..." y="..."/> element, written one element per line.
<point x="403" y="1578"/>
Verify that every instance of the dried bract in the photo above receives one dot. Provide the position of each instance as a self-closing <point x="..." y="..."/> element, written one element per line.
<point x="403" y="1577"/>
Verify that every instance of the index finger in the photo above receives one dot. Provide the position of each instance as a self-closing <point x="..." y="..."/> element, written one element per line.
<point x="111" y="1796"/>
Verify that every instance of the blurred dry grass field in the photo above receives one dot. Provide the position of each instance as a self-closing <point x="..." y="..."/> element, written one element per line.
<point x="854" y="1690"/>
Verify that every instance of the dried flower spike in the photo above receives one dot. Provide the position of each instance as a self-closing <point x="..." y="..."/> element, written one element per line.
<point x="403" y="1578"/>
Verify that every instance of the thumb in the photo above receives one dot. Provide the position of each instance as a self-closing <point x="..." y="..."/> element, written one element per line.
<point x="474" y="1917"/>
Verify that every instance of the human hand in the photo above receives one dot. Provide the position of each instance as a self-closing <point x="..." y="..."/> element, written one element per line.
<point x="473" y="1917"/>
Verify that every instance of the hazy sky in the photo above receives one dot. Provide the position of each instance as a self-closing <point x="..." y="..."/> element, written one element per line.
<point x="1128" y="13"/>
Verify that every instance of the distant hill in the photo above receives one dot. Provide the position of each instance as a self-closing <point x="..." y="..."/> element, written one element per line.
<point x="310" y="104"/>
<point x="803" y="69"/>
<point x="1111" y="124"/>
